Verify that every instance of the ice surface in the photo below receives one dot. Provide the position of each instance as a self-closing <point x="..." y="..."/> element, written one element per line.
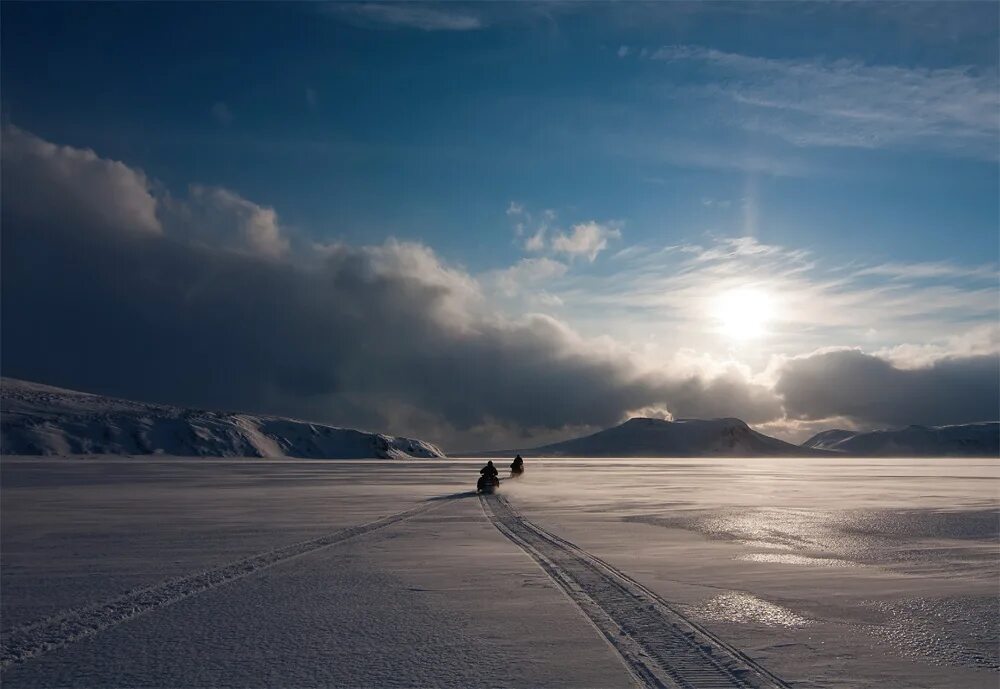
<point x="757" y="551"/>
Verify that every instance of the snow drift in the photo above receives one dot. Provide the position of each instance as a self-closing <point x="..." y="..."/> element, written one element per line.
<point x="644" y="437"/>
<point x="42" y="420"/>
<point x="965" y="440"/>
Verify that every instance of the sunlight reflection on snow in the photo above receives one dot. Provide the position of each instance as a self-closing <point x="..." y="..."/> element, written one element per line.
<point x="956" y="630"/>
<point x="743" y="608"/>
<point x="790" y="559"/>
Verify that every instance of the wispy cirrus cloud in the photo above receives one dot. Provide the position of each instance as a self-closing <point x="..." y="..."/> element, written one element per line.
<point x="669" y="293"/>
<point x="411" y="15"/>
<point x="847" y="103"/>
<point x="528" y="273"/>
<point x="928" y="269"/>
<point x="531" y="229"/>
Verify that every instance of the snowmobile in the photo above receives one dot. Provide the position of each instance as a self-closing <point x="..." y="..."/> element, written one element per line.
<point x="516" y="467"/>
<point x="487" y="484"/>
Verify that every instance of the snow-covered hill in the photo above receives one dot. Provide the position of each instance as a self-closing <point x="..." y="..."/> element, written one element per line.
<point x="967" y="440"/>
<point x="42" y="420"/>
<point x="642" y="437"/>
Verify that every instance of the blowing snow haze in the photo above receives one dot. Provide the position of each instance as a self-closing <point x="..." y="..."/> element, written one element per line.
<point x="507" y="225"/>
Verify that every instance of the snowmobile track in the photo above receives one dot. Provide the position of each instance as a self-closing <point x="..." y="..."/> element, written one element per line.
<point x="22" y="643"/>
<point x="661" y="647"/>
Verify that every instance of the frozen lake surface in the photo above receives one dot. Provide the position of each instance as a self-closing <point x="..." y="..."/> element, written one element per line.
<point x="816" y="572"/>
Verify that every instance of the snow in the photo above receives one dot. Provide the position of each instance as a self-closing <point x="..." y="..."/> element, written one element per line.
<point x="964" y="440"/>
<point x="645" y="437"/>
<point x="826" y="571"/>
<point x="44" y="420"/>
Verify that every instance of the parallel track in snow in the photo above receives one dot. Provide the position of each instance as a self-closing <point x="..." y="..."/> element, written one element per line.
<point x="660" y="646"/>
<point x="25" y="642"/>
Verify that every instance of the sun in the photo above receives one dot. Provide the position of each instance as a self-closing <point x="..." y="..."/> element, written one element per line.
<point x="744" y="313"/>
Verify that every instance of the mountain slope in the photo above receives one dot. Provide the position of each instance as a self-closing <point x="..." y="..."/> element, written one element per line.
<point x="42" y="420"/>
<point x="642" y="437"/>
<point x="966" y="440"/>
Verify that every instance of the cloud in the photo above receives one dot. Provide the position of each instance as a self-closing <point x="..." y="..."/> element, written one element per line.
<point x="663" y="293"/>
<point x="585" y="239"/>
<point x="412" y="15"/>
<point x="109" y="283"/>
<point x="527" y="273"/>
<point x="982" y="340"/>
<point x="73" y="186"/>
<point x="535" y="226"/>
<point x="871" y="390"/>
<point x="222" y="113"/>
<point x="929" y="269"/>
<point x="846" y="103"/>
<point x="381" y="337"/>
<point x="536" y="242"/>
<point x="515" y="209"/>
<point x="710" y="156"/>
<point x="47" y="185"/>
<point x="228" y="220"/>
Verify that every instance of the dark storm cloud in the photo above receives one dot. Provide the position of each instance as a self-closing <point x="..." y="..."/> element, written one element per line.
<point x="101" y="294"/>
<point x="204" y="300"/>
<point x="870" y="390"/>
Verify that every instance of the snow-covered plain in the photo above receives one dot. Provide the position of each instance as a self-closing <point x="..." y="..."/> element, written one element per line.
<point x="828" y="572"/>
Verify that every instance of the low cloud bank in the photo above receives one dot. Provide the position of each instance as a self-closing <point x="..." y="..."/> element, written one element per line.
<point x="871" y="390"/>
<point x="114" y="286"/>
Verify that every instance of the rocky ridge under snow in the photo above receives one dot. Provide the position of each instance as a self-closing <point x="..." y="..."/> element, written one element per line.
<point x="43" y="420"/>
<point x="645" y="437"/>
<point x="964" y="440"/>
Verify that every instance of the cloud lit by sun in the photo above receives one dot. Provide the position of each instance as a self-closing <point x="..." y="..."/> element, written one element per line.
<point x="743" y="314"/>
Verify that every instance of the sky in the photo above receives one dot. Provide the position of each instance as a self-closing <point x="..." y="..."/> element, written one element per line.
<point x="498" y="225"/>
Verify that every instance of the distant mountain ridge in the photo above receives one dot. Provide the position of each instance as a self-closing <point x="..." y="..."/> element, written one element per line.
<point x="964" y="440"/>
<point x="645" y="437"/>
<point x="43" y="420"/>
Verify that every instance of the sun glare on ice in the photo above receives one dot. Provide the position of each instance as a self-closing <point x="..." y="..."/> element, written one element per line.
<point x="743" y="314"/>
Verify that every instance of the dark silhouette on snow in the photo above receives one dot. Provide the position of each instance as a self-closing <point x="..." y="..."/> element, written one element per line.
<point x="489" y="479"/>
<point x="516" y="467"/>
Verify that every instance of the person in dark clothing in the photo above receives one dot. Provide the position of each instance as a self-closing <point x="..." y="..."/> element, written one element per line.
<point x="489" y="479"/>
<point x="517" y="466"/>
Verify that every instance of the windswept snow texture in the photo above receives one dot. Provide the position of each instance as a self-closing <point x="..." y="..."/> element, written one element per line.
<point x="827" y="572"/>
<point x="60" y="630"/>
<point x="642" y="437"/>
<point x="966" y="440"/>
<point x="660" y="646"/>
<point x="42" y="420"/>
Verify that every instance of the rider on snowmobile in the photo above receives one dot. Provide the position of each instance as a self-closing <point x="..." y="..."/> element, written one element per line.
<point x="489" y="479"/>
<point x="517" y="466"/>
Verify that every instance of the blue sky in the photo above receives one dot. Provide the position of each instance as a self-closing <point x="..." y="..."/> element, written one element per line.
<point x="573" y="159"/>
<point x="361" y="126"/>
